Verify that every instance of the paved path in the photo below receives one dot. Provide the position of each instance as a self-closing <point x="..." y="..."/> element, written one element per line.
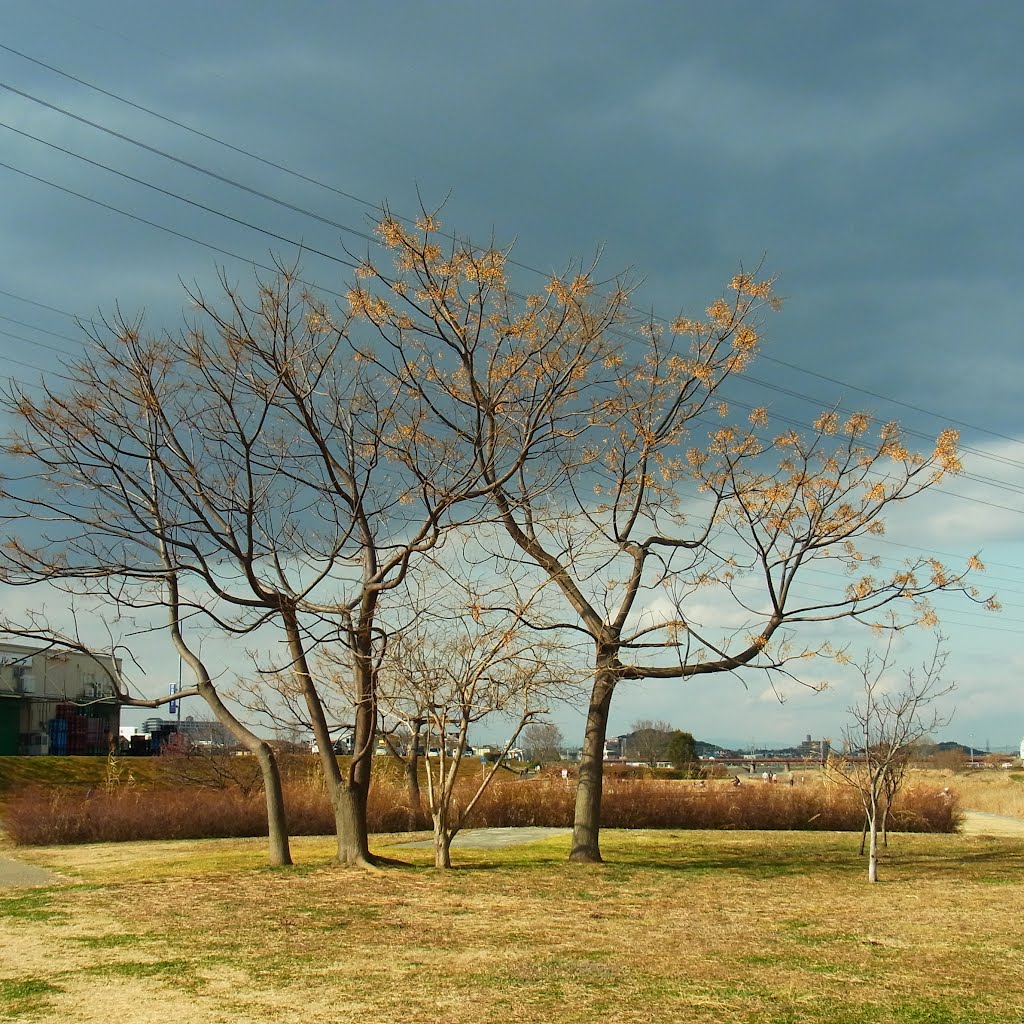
<point x="496" y="838"/>
<point x="980" y="823"/>
<point x="16" y="874"/>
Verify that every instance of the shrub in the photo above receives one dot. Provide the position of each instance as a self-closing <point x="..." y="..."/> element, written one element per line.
<point x="114" y="814"/>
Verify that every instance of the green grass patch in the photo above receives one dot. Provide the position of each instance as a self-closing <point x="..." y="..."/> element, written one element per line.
<point x="33" y="905"/>
<point x="167" y="970"/>
<point x="24" y="997"/>
<point x="116" y="941"/>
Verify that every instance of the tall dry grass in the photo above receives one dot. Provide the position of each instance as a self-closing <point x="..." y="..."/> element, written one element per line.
<point x="123" y="813"/>
<point x="993" y="791"/>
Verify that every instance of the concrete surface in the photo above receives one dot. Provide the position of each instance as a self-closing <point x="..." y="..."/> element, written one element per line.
<point x="16" y="874"/>
<point x="979" y="823"/>
<point x="495" y="838"/>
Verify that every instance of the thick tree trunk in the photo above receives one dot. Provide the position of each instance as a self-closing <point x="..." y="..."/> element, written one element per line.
<point x="347" y="795"/>
<point x="587" y="823"/>
<point x="350" y="826"/>
<point x="364" y="736"/>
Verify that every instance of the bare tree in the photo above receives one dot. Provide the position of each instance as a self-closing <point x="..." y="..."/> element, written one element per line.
<point x="542" y="741"/>
<point x="648" y="741"/>
<point x="588" y="424"/>
<point x="459" y="664"/>
<point x="245" y="471"/>
<point x="885" y="725"/>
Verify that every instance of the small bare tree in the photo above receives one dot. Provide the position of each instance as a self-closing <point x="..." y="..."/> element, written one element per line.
<point x="459" y="664"/>
<point x="885" y="724"/>
<point x="542" y="741"/>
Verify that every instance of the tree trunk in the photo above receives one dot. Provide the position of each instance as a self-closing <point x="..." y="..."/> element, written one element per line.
<point x="350" y="826"/>
<point x="873" y="847"/>
<point x="277" y="822"/>
<point x="412" y="786"/>
<point x="442" y="838"/>
<point x="587" y="823"/>
<point x="363" y="741"/>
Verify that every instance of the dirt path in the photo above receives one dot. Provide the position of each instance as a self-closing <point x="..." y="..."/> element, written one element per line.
<point x="495" y="838"/>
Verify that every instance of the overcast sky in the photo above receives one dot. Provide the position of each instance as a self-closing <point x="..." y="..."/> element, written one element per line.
<point x="872" y="154"/>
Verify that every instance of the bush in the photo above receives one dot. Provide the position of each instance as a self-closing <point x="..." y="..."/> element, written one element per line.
<point x="122" y="813"/>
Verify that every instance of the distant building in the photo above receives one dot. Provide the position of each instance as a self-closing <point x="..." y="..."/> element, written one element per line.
<point x="157" y="731"/>
<point x="56" y="702"/>
<point x="613" y="747"/>
<point x="817" y="750"/>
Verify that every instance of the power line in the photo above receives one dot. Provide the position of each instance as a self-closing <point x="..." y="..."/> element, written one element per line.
<point x="301" y="246"/>
<point x="175" y="159"/>
<point x="378" y="208"/>
<point x="182" y="235"/>
<point x="290" y="206"/>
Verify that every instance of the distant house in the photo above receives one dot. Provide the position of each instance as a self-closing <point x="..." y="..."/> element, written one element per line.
<point x="56" y="702"/>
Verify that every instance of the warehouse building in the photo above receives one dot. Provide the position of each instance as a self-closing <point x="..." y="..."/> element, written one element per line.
<point x="56" y="702"/>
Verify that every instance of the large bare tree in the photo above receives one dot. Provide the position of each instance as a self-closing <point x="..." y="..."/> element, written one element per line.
<point x="245" y="470"/>
<point x="614" y="469"/>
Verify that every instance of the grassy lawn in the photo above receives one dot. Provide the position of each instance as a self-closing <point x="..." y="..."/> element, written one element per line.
<point x="772" y="928"/>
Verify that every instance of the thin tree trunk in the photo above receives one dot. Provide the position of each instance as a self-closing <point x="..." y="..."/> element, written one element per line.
<point x="277" y="822"/>
<point x="873" y="847"/>
<point x="442" y="839"/>
<point x="412" y="788"/>
<point x="586" y="846"/>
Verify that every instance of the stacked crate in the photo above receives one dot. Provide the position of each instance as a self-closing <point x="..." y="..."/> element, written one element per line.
<point x="58" y="729"/>
<point x="74" y="733"/>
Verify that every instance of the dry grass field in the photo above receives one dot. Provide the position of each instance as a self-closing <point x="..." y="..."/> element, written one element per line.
<point x="991" y="790"/>
<point x="722" y="927"/>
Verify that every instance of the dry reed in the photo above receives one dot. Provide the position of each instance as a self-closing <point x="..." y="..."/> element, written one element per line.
<point x="66" y="815"/>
